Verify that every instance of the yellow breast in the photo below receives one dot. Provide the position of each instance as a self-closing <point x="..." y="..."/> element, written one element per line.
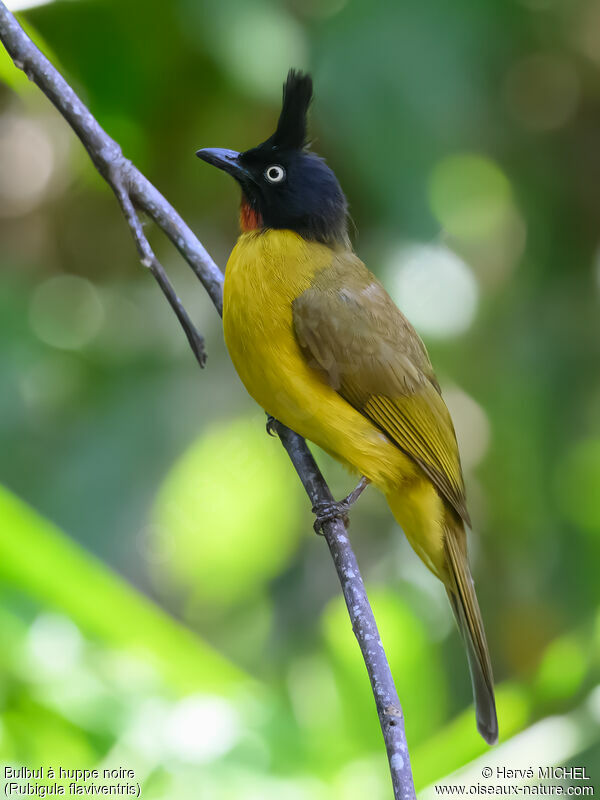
<point x="265" y="273"/>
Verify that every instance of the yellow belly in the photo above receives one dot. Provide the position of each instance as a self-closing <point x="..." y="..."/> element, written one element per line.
<point x="265" y="272"/>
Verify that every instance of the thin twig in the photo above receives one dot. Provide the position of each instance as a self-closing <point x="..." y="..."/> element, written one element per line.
<point x="106" y="153"/>
<point x="149" y="259"/>
<point x="133" y="191"/>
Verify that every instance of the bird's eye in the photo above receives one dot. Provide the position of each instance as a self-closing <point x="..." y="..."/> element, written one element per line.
<point x="274" y="173"/>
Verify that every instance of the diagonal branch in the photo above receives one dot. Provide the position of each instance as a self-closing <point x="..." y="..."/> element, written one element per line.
<point x="364" y="626"/>
<point x="133" y="191"/>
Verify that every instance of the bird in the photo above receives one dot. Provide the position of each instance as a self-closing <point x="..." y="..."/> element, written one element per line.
<point x="321" y="346"/>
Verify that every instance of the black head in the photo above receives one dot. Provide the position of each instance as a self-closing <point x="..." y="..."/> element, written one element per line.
<point x="284" y="185"/>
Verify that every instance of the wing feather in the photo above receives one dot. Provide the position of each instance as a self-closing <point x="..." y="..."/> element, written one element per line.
<point x="348" y="328"/>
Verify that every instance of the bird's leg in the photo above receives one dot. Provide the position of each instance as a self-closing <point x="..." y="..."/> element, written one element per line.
<point x="327" y="511"/>
<point x="350" y="499"/>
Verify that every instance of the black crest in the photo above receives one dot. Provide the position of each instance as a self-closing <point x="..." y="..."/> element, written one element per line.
<point x="284" y="185"/>
<point x="291" y="128"/>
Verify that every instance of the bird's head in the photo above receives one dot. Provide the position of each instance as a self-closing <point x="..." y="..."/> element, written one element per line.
<point x="283" y="184"/>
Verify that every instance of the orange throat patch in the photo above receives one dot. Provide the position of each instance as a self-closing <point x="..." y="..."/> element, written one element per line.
<point x="250" y="219"/>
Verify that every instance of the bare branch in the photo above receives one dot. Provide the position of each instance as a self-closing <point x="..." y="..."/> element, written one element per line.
<point x="360" y="612"/>
<point x="106" y="153"/>
<point x="148" y="259"/>
<point x="134" y="190"/>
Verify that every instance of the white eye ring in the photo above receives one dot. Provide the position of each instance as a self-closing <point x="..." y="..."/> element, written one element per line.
<point x="274" y="173"/>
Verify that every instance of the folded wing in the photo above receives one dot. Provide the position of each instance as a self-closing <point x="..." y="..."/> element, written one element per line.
<point x="349" y="328"/>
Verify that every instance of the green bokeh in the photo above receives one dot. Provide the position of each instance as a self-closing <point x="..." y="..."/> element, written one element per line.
<point x="470" y="196"/>
<point x="226" y="515"/>
<point x="577" y="482"/>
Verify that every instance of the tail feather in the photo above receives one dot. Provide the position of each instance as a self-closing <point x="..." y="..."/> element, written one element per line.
<point x="443" y="548"/>
<point x="461" y="593"/>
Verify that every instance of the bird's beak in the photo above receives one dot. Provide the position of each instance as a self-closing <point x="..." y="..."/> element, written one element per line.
<point x="227" y="160"/>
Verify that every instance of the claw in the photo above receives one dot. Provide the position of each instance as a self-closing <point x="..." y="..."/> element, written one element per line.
<point x="270" y="426"/>
<point x="328" y="511"/>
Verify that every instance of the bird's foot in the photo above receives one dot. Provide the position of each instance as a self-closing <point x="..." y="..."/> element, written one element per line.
<point x="271" y="422"/>
<point x="330" y="510"/>
<point x="327" y="511"/>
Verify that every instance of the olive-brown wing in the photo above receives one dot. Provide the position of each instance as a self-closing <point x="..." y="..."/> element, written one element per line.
<point x="349" y="329"/>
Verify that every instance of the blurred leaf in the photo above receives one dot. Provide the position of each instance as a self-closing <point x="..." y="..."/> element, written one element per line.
<point x="40" y="560"/>
<point x="226" y="515"/>
<point x="459" y="742"/>
<point x="563" y="668"/>
<point x="14" y="77"/>
<point x="577" y="481"/>
<point x="55" y="740"/>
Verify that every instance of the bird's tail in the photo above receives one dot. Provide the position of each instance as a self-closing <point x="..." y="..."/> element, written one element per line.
<point x="461" y="593"/>
<point x="437" y="534"/>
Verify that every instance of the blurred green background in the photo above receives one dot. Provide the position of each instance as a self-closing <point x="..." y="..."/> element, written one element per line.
<point x="165" y="605"/>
